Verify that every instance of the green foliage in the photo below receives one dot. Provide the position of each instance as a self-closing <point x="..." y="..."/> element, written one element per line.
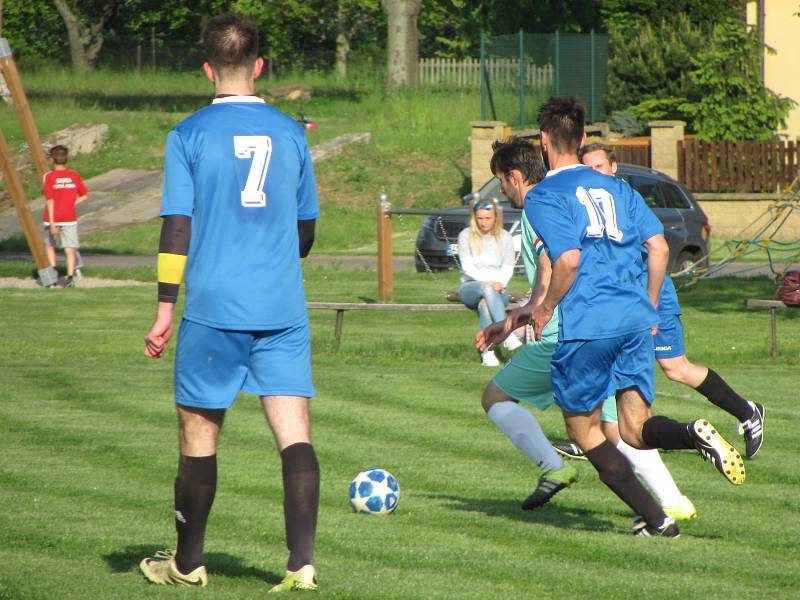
<point x="627" y="14"/>
<point x="35" y="30"/>
<point x="649" y="66"/>
<point x="627" y="123"/>
<point x="733" y="104"/>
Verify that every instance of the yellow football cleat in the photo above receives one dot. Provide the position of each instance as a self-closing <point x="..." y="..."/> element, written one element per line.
<point x="161" y="570"/>
<point x="302" y="580"/>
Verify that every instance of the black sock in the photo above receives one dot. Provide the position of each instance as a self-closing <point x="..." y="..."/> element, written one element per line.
<point x="721" y="394"/>
<point x="195" y="487"/>
<point x="300" y="502"/>
<point x="662" y="432"/>
<point x="616" y="472"/>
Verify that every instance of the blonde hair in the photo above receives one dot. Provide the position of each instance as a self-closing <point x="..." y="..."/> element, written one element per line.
<point x="475" y="234"/>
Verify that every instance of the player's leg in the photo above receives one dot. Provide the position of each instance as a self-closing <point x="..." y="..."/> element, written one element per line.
<point x="671" y="356"/>
<point x="526" y="378"/>
<point x="615" y="472"/>
<point x="210" y="367"/>
<point x="280" y="373"/>
<point x="633" y="373"/>
<point x="582" y="375"/>
<point x="648" y="466"/>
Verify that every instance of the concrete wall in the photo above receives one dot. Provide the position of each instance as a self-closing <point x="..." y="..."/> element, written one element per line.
<point x="728" y="219"/>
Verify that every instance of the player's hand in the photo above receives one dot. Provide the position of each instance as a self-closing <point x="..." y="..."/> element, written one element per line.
<point x="541" y="317"/>
<point x="654" y="329"/>
<point x="498" y="286"/>
<point x="155" y="342"/>
<point x="489" y="337"/>
<point x="53" y="230"/>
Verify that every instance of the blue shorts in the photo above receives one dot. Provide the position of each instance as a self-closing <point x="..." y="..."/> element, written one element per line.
<point x="527" y="378"/>
<point x="586" y="372"/>
<point x="669" y="337"/>
<point x="213" y="365"/>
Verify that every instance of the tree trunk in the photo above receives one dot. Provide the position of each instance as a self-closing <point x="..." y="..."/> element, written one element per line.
<point x="85" y="41"/>
<point x="403" y="42"/>
<point x="342" y="40"/>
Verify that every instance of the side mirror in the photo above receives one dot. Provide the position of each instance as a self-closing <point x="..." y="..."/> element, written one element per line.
<point x="468" y="199"/>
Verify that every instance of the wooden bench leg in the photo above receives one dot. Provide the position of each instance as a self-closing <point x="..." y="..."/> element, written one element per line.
<point x="773" y="315"/>
<point x="337" y="331"/>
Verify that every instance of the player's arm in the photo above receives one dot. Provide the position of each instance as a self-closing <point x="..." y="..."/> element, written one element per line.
<point x="305" y="231"/>
<point x="657" y="258"/>
<point x="83" y="192"/>
<point x="172" y="252"/>
<point x="565" y="269"/>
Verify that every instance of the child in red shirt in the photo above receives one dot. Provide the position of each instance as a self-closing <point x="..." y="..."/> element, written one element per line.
<point x="63" y="190"/>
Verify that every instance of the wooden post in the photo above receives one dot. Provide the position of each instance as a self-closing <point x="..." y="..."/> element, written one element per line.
<point x="385" y="275"/>
<point x="11" y="75"/>
<point x="29" y="225"/>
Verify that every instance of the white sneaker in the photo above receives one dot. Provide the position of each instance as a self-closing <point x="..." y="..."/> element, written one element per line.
<point x="488" y="359"/>
<point x="512" y="342"/>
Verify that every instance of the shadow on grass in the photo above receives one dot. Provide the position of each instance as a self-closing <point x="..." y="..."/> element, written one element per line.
<point x="550" y="514"/>
<point x="148" y="102"/>
<point x="217" y="563"/>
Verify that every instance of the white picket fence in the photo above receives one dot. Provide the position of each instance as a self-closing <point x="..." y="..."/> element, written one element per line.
<point x="503" y="73"/>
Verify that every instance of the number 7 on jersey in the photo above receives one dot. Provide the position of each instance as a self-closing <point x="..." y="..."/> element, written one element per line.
<point x="259" y="149"/>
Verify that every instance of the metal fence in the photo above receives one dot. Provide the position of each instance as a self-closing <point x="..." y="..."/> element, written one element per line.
<point x="579" y="68"/>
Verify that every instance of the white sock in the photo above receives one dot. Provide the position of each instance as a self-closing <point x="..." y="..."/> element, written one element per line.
<point x="647" y="464"/>
<point x="524" y="431"/>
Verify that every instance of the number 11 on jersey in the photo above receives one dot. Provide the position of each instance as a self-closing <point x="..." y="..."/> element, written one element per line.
<point x="259" y="149"/>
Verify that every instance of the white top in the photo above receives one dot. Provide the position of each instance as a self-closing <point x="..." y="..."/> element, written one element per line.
<point x="494" y="263"/>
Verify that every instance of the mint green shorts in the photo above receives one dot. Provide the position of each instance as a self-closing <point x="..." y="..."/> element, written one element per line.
<point x="526" y="378"/>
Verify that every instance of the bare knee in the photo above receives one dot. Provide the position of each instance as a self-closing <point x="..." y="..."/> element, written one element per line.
<point x="198" y="430"/>
<point x="492" y="395"/>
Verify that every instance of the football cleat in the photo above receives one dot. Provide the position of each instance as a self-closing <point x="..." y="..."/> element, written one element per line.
<point x="549" y="485"/>
<point x="682" y="511"/>
<point x="753" y="430"/>
<point x="569" y="449"/>
<point x="715" y="449"/>
<point x="162" y="570"/>
<point x="667" y="529"/>
<point x="302" y="580"/>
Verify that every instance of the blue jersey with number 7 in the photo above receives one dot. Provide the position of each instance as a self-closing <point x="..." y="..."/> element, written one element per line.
<point x="242" y="171"/>
<point x="576" y="207"/>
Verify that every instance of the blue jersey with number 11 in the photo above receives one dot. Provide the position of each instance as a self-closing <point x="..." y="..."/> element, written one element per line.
<point x="577" y="208"/>
<point x="242" y="171"/>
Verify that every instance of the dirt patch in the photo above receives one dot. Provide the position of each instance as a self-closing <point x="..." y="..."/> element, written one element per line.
<point x="85" y="282"/>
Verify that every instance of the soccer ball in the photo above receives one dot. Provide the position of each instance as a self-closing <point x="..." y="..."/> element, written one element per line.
<point x="374" y="492"/>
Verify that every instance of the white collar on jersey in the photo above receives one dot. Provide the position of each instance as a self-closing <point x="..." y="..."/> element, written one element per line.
<point x="564" y="168"/>
<point x="238" y="99"/>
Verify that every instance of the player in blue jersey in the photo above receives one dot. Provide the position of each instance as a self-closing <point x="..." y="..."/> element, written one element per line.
<point x="526" y="377"/>
<point x="239" y="207"/>
<point x="594" y="228"/>
<point x="669" y="344"/>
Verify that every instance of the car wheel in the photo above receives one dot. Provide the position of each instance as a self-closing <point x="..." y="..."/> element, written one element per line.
<point x="419" y="265"/>
<point x="685" y="260"/>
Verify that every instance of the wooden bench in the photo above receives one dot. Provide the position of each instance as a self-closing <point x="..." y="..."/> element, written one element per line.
<point x="773" y="306"/>
<point x="342" y="307"/>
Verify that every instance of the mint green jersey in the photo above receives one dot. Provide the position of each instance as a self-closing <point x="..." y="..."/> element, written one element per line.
<point x="532" y="248"/>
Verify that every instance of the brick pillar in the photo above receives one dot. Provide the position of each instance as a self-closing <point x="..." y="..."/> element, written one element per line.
<point x="484" y="133"/>
<point x="664" y="138"/>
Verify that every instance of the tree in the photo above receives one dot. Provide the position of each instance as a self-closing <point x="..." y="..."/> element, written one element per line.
<point x="403" y="42"/>
<point x="85" y="29"/>
<point x="733" y="103"/>
<point x="353" y="17"/>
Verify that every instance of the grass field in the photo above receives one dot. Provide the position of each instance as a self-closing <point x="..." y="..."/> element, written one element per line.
<point x="89" y="456"/>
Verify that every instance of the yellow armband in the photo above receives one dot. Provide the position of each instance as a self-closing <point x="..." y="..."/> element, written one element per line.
<point x="171" y="268"/>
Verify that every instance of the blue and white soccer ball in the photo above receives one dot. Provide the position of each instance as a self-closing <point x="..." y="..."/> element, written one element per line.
<point x="374" y="492"/>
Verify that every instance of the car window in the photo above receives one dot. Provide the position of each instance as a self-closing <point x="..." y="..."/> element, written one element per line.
<point x="673" y="198"/>
<point x="491" y="189"/>
<point x="649" y="189"/>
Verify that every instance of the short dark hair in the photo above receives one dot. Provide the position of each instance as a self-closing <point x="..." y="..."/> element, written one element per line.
<point x="594" y="147"/>
<point x="59" y="153"/>
<point x="231" y="42"/>
<point x="518" y="154"/>
<point x="562" y="118"/>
